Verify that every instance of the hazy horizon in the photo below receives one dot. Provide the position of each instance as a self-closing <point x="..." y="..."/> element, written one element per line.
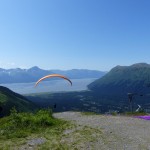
<point x="73" y="68"/>
<point x="53" y="69"/>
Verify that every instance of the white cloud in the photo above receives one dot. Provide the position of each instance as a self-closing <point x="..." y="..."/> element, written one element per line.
<point x="7" y="65"/>
<point x="11" y="64"/>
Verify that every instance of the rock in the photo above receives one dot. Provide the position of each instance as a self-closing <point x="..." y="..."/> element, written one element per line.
<point x="37" y="141"/>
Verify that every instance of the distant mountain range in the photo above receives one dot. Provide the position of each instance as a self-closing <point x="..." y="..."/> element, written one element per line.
<point x="33" y="74"/>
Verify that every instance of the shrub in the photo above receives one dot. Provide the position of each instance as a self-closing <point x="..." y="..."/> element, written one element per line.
<point x="135" y="113"/>
<point x="22" y="124"/>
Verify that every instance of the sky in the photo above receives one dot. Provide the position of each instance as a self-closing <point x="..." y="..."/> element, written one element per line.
<point x="74" y="34"/>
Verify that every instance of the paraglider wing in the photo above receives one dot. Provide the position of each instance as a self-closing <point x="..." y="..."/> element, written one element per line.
<point x="52" y="75"/>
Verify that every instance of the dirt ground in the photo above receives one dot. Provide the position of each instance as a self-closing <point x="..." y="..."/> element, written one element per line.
<point x="118" y="132"/>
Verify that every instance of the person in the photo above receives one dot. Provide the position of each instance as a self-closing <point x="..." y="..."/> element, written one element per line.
<point x="1" y="108"/>
<point x="55" y="105"/>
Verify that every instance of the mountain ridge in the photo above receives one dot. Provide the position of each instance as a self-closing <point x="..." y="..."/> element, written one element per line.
<point x="124" y="79"/>
<point x="32" y="74"/>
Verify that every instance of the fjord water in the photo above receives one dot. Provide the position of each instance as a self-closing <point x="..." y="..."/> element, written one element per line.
<point x="50" y="86"/>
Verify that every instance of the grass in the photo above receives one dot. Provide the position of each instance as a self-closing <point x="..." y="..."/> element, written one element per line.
<point x="142" y="113"/>
<point x="18" y="128"/>
<point x="3" y="98"/>
<point x="81" y="137"/>
<point x="22" y="124"/>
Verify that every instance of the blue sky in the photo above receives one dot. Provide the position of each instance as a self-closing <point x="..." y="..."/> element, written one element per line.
<point x="68" y="34"/>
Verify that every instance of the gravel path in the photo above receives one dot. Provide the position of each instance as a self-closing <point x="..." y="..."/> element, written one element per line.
<point x="118" y="132"/>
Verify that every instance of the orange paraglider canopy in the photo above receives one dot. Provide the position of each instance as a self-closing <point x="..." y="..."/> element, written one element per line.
<point x="50" y="76"/>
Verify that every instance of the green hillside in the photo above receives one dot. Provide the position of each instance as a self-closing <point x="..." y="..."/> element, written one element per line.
<point x="10" y="99"/>
<point x="121" y="80"/>
<point x="124" y="79"/>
